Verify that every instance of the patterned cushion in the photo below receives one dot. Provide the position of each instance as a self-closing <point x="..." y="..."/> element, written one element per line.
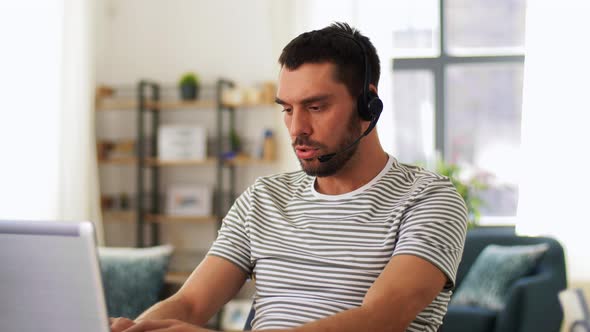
<point x="132" y="278"/>
<point x="493" y="272"/>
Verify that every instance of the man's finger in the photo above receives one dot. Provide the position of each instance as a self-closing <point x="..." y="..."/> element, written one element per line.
<point x="120" y="324"/>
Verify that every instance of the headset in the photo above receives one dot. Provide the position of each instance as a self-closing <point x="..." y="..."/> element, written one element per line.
<point x="369" y="106"/>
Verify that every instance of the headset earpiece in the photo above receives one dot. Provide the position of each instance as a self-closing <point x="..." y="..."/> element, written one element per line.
<point x="375" y="105"/>
<point x="371" y="107"/>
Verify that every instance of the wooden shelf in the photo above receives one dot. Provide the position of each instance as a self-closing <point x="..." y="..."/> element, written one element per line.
<point x="210" y="161"/>
<point x="201" y="162"/>
<point x="118" y="161"/>
<point x="113" y="104"/>
<point x="182" y="104"/>
<point x="246" y="105"/>
<point x="114" y="216"/>
<point x="249" y="162"/>
<point x="162" y="218"/>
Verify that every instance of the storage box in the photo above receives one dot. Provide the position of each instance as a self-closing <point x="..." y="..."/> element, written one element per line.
<point x="177" y="142"/>
<point x="189" y="201"/>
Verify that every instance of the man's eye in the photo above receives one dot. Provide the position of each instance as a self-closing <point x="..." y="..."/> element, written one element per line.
<point x="315" y="108"/>
<point x="287" y="110"/>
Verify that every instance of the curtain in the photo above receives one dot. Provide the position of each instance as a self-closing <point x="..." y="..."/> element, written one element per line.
<point x="48" y="169"/>
<point x="554" y="165"/>
<point x="78" y="170"/>
<point x="31" y="34"/>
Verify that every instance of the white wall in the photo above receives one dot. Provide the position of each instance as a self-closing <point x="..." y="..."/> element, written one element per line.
<point x="161" y="39"/>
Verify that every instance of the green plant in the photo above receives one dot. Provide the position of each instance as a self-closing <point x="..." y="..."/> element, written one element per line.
<point x="468" y="189"/>
<point x="234" y="141"/>
<point x="191" y="79"/>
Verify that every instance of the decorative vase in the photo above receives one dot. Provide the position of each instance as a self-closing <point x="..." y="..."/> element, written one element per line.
<point x="189" y="92"/>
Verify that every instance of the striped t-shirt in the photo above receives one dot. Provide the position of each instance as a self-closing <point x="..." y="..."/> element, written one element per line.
<point x="314" y="255"/>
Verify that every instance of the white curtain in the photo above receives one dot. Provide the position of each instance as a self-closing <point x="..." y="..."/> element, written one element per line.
<point x="556" y="129"/>
<point x="78" y="177"/>
<point x="48" y="169"/>
<point x="31" y="34"/>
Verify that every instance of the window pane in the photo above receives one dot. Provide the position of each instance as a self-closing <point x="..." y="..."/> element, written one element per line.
<point x="484" y="26"/>
<point x="413" y="109"/>
<point x="415" y="28"/>
<point x="483" y="128"/>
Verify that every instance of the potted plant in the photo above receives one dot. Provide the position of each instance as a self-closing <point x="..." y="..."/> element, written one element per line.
<point x="189" y="86"/>
<point x="468" y="189"/>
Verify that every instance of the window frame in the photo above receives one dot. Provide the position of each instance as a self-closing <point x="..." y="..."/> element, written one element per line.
<point x="437" y="65"/>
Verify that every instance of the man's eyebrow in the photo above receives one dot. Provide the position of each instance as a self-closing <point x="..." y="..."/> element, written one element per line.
<point x="306" y="101"/>
<point x="279" y="101"/>
<point x="315" y="99"/>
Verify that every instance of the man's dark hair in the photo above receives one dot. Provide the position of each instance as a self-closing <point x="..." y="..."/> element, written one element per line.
<point x="329" y="45"/>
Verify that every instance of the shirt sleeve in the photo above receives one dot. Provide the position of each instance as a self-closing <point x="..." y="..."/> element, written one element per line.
<point x="233" y="239"/>
<point x="433" y="227"/>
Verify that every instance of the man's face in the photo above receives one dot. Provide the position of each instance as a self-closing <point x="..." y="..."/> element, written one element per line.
<point x="320" y="115"/>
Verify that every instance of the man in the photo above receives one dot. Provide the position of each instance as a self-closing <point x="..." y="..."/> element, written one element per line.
<point x="355" y="241"/>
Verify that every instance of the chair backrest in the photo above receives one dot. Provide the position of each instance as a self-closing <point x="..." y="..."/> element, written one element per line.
<point x="479" y="238"/>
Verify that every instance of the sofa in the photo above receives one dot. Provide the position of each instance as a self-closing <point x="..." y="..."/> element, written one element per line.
<point x="531" y="301"/>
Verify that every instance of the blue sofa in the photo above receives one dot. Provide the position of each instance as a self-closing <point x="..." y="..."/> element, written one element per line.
<point x="532" y="304"/>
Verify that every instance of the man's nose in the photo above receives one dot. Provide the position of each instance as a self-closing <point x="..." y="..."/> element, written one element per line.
<point x="300" y="123"/>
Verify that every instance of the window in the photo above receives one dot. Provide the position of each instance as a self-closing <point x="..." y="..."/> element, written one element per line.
<point x="457" y="89"/>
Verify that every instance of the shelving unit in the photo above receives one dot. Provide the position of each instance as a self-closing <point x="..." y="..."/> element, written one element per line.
<point x="146" y="215"/>
<point x="171" y="163"/>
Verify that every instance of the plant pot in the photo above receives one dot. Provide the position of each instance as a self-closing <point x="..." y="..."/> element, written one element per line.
<point x="189" y="92"/>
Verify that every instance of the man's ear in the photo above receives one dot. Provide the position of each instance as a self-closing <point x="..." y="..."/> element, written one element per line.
<point x="373" y="88"/>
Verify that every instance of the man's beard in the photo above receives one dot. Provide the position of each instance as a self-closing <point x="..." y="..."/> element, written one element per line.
<point x="341" y="157"/>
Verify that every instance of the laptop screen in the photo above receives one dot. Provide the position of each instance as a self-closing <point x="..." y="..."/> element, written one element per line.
<point x="50" y="278"/>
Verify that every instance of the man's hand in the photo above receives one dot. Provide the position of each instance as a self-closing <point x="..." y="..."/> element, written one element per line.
<point x="163" y="325"/>
<point x="120" y="324"/>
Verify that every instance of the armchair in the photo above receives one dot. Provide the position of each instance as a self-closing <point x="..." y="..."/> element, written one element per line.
<point x="532" y="304"/>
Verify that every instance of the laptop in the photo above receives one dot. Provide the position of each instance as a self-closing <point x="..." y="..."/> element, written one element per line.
<point x="50" y="278"/>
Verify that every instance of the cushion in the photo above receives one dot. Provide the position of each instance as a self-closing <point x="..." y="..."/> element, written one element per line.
<point x="132" y="278"/>
<point x="493" y="272"/>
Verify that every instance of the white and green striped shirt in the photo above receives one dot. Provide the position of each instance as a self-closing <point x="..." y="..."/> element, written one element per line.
<point x="314" y="255"/>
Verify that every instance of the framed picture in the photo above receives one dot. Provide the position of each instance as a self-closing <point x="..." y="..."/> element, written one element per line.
<point x="235" y="314"/>
<point x="182" y="142"/>
<point x="189" y="201"/>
